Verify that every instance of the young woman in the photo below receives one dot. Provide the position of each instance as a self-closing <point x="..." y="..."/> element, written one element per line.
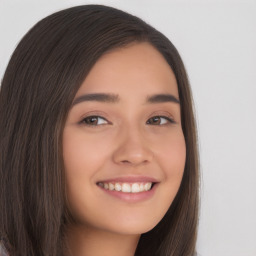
<point x="98" y="140"/>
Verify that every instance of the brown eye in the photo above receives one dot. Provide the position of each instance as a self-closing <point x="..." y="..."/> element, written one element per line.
<point x="159" y="120"/>
<point x="94" y="120"/>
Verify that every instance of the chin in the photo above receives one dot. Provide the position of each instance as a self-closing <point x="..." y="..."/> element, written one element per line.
<point x="135" y="226"/>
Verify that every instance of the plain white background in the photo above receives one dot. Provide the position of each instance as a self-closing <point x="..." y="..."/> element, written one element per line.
<point x="217" y="41"/>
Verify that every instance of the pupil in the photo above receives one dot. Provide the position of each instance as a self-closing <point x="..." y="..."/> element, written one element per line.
<point x="92" y="120"/>
<point x="155" y="120"/>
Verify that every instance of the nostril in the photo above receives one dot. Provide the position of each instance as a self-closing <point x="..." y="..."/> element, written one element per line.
<point x="125" y="161"/>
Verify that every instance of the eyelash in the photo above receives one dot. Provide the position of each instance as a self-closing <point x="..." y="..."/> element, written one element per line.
<point x="169" y="120"/>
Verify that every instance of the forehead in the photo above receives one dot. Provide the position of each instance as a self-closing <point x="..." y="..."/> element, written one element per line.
<point x="131" y="71"/>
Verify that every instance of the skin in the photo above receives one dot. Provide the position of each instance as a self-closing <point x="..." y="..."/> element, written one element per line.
<point x="124" y="141"/>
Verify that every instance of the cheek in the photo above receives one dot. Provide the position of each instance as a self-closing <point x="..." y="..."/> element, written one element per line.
<point x="83" y="158"/>
<point x="82" y="154"/>
<point x="171" y="157"/>
<point x="171" y="153"/>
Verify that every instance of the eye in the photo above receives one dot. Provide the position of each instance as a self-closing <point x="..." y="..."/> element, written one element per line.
<point x="94" y="121"/>
<point x="160" y="120"/>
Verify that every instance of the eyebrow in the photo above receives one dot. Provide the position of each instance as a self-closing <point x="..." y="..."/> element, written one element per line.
<point x="114" y="98"/>
<point x="159" y="98"/>
<point x="100" y="97"/>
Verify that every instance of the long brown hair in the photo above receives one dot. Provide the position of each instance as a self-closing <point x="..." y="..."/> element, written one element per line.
<point x="38" y="87"/>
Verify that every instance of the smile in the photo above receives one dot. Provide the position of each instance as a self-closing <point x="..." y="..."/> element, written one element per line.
<point x="136" y="187"/>
<point x="129" y="189"/>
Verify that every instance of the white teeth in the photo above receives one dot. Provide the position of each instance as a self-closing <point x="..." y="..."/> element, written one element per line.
<point x="118" y="187"/>
<point x="111" y="186"/>
<point x="127" y="187"/>
<point x="135" y="188"/>
<point x="148" y="186"/>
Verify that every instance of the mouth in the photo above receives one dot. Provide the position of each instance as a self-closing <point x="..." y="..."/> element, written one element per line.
<point x="127" y="187"/>
<point x="130" y="190"/>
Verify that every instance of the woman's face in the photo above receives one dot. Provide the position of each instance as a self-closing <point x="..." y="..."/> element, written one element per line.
<point x="123" y="145"/>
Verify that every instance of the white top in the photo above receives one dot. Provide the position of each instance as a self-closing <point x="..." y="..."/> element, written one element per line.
<point x="2" y="250"/>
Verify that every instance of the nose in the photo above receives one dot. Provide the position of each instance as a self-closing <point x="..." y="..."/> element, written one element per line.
<point x="133" y="149"/>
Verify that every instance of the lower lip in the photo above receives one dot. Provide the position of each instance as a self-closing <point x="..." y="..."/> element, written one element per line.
<point x="131" y="197"/>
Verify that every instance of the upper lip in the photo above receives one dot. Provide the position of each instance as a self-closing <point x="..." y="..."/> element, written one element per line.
<point x="130" y="179"/>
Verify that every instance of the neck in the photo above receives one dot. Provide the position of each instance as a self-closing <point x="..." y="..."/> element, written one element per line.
<point x="84" y="241"/>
